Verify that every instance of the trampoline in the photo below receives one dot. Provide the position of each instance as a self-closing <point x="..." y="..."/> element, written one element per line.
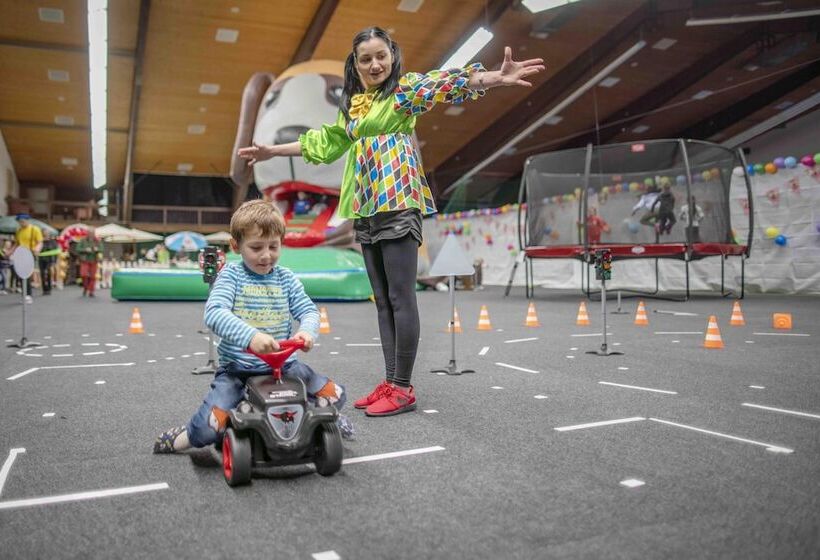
<point x="574" y="202"/>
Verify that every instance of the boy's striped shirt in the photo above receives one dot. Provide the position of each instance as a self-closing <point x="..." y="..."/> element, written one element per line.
<point x="243" y="303"/>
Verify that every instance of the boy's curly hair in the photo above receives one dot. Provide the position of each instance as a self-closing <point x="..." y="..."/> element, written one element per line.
<point x="260" y="214"/>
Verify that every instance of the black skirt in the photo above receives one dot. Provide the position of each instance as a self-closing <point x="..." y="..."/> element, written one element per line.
<point x="388" y="225"/>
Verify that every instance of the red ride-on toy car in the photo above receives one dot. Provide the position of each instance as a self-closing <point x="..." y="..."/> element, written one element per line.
<point x="274" y="425"/>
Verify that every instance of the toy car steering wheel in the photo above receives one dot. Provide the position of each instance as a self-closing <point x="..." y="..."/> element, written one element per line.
<point x="286" y="348"/>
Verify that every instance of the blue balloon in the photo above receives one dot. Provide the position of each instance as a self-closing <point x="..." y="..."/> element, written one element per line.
<point x="790" y="162"/>
<point x="781" y="240"/>
<point x="750" y="169"/>
<point x="681" y="179"/>
<point x="633" y="227"/>
<point x="547" y="230"/>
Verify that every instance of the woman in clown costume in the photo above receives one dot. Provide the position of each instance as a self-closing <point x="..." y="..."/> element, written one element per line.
<point x="384" y="189"/>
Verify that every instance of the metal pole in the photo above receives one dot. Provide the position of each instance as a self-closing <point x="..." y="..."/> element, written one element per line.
<point x="452" y="320"/>
<point x="603" y="311"/>
<point x="25" y="292"/>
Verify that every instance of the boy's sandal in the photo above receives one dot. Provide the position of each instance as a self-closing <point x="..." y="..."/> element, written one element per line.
<point x="165" y="441"/>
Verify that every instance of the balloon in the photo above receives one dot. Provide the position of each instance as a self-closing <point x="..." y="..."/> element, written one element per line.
<point x="772" y="232"/>
<point x="817" y="158"/>
<point x="759" y="169"/>
<point x="706" y="175"/>
<point x="770" y="168"/>
<point x="737" y="171"/>
<point x="633" y="187"/>
<point x="818" y="228"/>
<point x="681" y="179"/>
<point x="605" y="190"/>
<point x="790" y="162"/>
<point x="632" y="226"/>
<point x="750" y="169"/>
<point x="808" y="161"/>
<point x="649" y="181"/>
<point x="781" y="240"/>
<point x="547" y="230"/>
<point x="779" y="162"/>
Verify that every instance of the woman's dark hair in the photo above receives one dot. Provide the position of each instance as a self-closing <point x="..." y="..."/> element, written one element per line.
<point x="353" y="84"/>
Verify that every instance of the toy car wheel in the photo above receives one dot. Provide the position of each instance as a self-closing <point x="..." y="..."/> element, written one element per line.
<point x="328" y="454"/>
<point x="236" y="458"/>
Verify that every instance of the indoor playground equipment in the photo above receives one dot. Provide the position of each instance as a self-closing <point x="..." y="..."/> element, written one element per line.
<point x="649" y="200"/>
<point x="326" y="272"/>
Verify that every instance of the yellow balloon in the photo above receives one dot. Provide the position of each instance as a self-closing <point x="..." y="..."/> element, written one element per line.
<point x="772" y="232"/>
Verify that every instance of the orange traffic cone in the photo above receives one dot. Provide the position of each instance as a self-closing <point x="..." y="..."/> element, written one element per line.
<point x="484" y="320"/>
<point x="324" y="323"/>
<point x="456" y="323"/>
<point x="782" y="321"/>
<point x="737" y="316"/>
<point x="713" y="339"/>
<point x="532" y="318"/>
<point x="640" y="317"/>
<point x="582" y="318"/>
<point x="136" y="323"/>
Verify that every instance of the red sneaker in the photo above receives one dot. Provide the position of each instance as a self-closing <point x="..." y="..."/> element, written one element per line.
<point x="394" y="400"/>
<point x="375" y="395"/>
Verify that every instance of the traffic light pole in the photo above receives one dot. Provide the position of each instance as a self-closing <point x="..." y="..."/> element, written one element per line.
<point x="603" y="264"/>
<point x="210" y="367"/>
<point x="210" y="261"/>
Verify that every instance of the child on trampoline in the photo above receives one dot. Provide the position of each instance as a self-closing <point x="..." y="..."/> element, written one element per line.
<point x="384" y="188"/>
<point x="666" y="210"/>
<point x="250" y="306"/>
<point x="596" y="225"/>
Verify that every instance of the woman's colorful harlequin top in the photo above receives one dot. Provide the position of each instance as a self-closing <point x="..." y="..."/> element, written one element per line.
<point x="383" y="170"/>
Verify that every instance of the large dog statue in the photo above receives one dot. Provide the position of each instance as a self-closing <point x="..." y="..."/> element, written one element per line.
<point x="276" y="110"/>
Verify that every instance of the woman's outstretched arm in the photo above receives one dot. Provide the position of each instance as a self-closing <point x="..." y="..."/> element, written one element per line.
<point x="258" y="152"/>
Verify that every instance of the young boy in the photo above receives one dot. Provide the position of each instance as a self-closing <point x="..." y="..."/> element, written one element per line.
<point x="250" y="306"/>
<point x="666" y="210"/>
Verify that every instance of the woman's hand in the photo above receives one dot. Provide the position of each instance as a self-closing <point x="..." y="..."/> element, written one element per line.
<point x="256" y="153"/>
<point x="512" y="73"/>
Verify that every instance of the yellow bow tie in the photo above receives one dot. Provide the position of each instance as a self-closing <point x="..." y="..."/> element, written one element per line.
<point x="360" y="105"/>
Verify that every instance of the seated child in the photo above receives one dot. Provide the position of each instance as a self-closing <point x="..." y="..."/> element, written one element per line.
<point x="647" y="201"/>
<point x="250" y="306"/>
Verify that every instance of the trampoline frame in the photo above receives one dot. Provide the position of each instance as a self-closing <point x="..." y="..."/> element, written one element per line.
<point x="687" y="251"/>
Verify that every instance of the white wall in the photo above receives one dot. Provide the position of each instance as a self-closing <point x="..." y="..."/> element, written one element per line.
<point x="796" y="138"/>
<point x="8" y="178"/>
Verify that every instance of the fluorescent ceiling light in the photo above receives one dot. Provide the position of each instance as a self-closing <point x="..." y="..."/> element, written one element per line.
<point x="454" y="110"/>
<point x="196" y="129"/>
<point x="784" y="105"/>
<point x="68" y="161"/>
<point x="609" y="82"/>
<point x="469" y="49"/>
<point x="703" y="94"/>
<point x="98" y="87"/>
<point x="409" y="5"/>
<point x="556" y="110"/>
<point x="51" y="15"/>
<point x="553" y="120"/>
<point x="780" y="118"/>
<point x="64" y="120"/>
<point x="536" y="6"/>
<point x="58" y="75"/>
<point x="185" y="167"/>
<point x="209" y="89"/>
<point x="751" y="67"/>
<point x="640" y="128"/>
<point x="235" y="9"/>
<point x="747" y="19"/>
<point x="227" y="35"/>
<point x="664" y="44"/>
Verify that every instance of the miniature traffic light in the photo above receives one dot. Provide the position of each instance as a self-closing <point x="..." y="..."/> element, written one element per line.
<point x="209" y="262"/>
<point x="603" y="265"/>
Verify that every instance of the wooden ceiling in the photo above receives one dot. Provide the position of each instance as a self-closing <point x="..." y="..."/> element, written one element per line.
<point x="750" y="69"/>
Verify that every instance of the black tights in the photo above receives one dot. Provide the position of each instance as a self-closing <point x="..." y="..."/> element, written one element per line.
<point x="392" y="265"/>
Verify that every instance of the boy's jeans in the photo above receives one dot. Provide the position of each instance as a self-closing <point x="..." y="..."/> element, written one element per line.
<point x="228" y="388"/>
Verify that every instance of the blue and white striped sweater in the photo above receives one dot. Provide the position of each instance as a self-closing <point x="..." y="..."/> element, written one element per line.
<point x="243" y="303"/>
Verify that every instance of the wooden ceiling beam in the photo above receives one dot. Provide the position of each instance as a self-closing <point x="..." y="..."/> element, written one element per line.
<point x="741" y="109"/>
<point x="537" y="103"/>
<point x="666" y="90"/>
<point x="314" y="32"/>
<point x="39" y="45"/>
<point x="30" y="124"/>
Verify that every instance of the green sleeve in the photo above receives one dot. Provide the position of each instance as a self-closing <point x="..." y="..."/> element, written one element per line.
<point x="326" y="144"/>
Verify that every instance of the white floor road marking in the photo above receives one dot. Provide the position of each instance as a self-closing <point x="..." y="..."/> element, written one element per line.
<point x="676" y="313"/>
<point x="393" y="455"/>
<point x="597" y="424"/>
<point x="497" y="387"/>
<point x="639" y="388"/>
<point x="756" y="387"/>
<point x="622" y="368"/>
<point x="483" y="351"/>
<point x="520" y="340"/>
<point x="4" y="472"/>
<point x="541" y="397"/>
<point x="501" y="364"/>
<point x="431" y="411"/>
<point x="92" y="495"/>
<point x="783" y="410"/>
<point x="768" y="446"/>
<point x="100" y="382"/>
<point x="779" y="334"/>
<point x="32" y="370"/>
<point x="326" y="555"/>
<point x="592" y="334"/>
<point x="363" y="344"/>
<point x="632" y="483"/>
<point x="48" y="414"/>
